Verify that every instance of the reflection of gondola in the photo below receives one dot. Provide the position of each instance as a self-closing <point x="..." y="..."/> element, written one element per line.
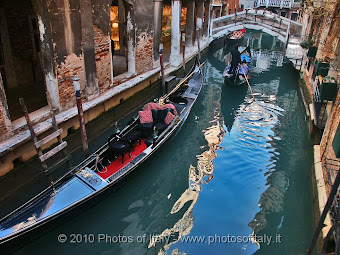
<point x="96" y="175"/>
<point x="234" y="74"/>
<point x="232" y="97"/>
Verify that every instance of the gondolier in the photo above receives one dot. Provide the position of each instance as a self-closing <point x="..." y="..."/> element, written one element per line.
<point x="235" y="59"/>
<point x="239" y="67"/>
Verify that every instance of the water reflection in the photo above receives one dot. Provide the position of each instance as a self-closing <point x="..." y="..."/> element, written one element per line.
<point x="198" y="176"/>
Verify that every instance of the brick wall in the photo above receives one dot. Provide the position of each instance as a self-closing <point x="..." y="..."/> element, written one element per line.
<point x="103" y="63"/>
<point x="73" y="65"/>
<point x="144" y="53"/>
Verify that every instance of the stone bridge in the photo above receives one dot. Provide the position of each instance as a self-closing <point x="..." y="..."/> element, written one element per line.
<point x="268" y="22"/>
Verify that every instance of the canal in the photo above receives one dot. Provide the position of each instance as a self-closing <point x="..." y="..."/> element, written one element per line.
<point x="236" y="179"/>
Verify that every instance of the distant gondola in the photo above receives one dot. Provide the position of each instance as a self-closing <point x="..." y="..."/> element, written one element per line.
<point x="235" y="76"/>
<point x="123" y="152"/>
<point x="234" y="37"/>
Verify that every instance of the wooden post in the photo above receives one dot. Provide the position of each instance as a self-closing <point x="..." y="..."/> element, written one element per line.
<point x="162" y="68"/>
<point x="81" y="115"/>
<point x="183" y="44"/>
<point x="198" y="28"/>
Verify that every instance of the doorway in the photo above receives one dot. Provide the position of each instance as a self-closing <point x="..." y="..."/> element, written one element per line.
<point x="20" y="64"/>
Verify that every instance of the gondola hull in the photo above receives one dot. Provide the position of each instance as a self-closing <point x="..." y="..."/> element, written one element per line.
<point x="82" y="186"/>
<point x="234" y="80"/>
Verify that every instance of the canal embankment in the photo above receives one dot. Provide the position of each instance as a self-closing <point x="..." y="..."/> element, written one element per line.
<point x="120" y="100"/>
<point x="117" y="105"/>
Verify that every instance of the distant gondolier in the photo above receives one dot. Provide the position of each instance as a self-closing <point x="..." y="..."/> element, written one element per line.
<point x="238" y="69"/>
<point x="235" y="59"/>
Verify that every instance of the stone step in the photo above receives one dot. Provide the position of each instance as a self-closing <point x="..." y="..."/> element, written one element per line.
<point x="170" y="82"/>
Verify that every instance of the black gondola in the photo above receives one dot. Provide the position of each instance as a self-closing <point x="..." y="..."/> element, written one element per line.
<point x="234" y="37"/>
<point x="236" y="76"/>
<point x="122" y="154"/>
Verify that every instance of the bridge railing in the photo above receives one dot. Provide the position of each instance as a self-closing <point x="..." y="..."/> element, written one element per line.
<point x="256" y="19"/>
<point x="273" y="3"/>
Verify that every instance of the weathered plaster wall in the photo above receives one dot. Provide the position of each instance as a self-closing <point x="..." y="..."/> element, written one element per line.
<point x="71" y="66"/>
<point x="103" y="58"/>
<point x="102" y="41"/>
<point x="144" y="18"/>
<point x="66" y="34"/>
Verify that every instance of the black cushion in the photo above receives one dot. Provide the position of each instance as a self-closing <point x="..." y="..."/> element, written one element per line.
<point x="119" y="147"/>
<point x="132" y="137"/>
<point x="160" y="115"/>
<point x="146" y="129"/>
<point x="155" y="115"/>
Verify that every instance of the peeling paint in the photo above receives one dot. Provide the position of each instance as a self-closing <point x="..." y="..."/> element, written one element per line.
<point x="144" y="52"/>
<point x="68" y="29"/>
<point x="41" y="28"/>
<point x="73" y="65"/>
<point x="130" y="44"/>
<point x="103" y="57"/>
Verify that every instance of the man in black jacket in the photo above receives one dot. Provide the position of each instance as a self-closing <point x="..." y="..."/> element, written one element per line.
<point x="235" y="59"/>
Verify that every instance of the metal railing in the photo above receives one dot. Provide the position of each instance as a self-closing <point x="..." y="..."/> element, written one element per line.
<point x="320" y="107"/>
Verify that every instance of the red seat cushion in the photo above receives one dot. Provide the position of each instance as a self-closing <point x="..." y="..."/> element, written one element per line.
<point x="145" y="116"/>
<point x="169" y="117"/>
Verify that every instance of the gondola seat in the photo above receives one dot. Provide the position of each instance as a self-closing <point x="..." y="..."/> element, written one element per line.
<point x="119" y="148"/>
<point x="155" y="120"/>
<point x="160" y="127"/>
<point x="132" y="138"/>
<point x="146" y="129"/>
<point x="159" y="117"/>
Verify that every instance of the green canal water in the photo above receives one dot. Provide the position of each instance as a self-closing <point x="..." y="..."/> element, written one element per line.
<point x="236" y="179"/>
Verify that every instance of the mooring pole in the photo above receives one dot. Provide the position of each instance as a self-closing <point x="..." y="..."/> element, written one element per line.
<point x="81" y="115"/>
<point x="324" y="213"/>
<point x="162" y="67"/>
<point x="183" y="44"/>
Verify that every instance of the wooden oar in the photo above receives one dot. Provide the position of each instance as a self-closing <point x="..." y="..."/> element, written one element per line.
<point x="251" y="91"/>
<point x="179" y="84"/>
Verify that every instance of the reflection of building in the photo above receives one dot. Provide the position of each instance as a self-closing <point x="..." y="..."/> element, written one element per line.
<point x="265" y="53"/>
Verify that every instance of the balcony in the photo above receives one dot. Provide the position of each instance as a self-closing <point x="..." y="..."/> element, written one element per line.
<point x="273" y="3"/>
